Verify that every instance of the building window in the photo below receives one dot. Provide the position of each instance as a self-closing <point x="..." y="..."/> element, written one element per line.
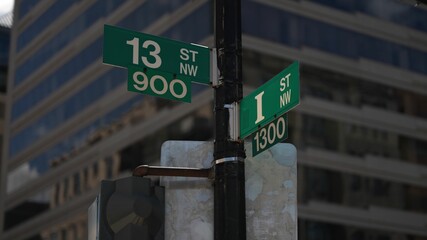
<point x="77" y="186"/>
<point x="66" y="182"/>
<point x="57" y="193"/>
<point x="54" y="236"/>
<point x="63" y="234"/>
<point x="109" y="165"/>
<point x="95" y="169"/>
<point x="85" y="178"/>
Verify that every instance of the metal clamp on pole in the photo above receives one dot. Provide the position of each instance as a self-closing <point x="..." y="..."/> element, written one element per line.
<point x="229" y="159"/>
<point x="214" y="69"/>
<point x="234" y="121"/>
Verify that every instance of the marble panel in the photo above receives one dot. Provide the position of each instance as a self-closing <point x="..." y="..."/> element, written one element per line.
<point x="270" y="184"/>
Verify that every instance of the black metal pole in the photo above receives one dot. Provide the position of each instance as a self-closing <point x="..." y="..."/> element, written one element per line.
<point x="229" y="155"/>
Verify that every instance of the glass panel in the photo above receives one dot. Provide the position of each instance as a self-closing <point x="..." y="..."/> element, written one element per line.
<point x="67" y="110"/>
<point x="314" y="230"/>
<point x="43" y="21"/>
<point x="25" y="7"/>
<point x="360" y="191"/>
<point x="58" y="78"/>
<point x="99" y="9"/>
<point x="185" y="31"/>
<point x="4" y="46"/>
<point x="28" y="209"/>
<point x="326" y="37"/>
<point x="391" y="10"/>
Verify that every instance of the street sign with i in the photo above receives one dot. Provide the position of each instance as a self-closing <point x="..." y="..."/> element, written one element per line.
<point x="270" y="101"/>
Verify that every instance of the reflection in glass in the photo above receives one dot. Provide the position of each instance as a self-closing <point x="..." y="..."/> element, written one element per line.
<point x="33" y="206"/>
<point x="99" y="9"/>
<point x="298" y="31"/>
<point x="44" y="20"/>
<point x="391" y="10"/>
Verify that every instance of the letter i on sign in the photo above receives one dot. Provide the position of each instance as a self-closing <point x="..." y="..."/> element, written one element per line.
<point x="259" y="116"/>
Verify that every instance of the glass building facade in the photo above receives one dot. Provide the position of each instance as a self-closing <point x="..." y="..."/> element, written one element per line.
<point x="360" y="130"/>
<point x="5" y="25"/>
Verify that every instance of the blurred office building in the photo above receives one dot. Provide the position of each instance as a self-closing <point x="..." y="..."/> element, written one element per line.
<point x="360" y="129"/>
<point x="5" y="25"/>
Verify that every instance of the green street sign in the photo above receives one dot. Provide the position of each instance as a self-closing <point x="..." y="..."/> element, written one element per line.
<point x="270" y="134"/>
<point x="126" y="48"/>
<point x="160" y="84"/>
<point x="276" y="97"/>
